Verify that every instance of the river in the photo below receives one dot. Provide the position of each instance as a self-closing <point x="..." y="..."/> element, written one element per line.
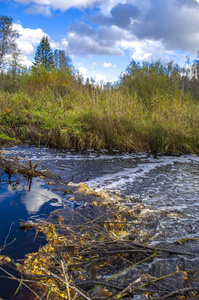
<point x="165" y="187"/>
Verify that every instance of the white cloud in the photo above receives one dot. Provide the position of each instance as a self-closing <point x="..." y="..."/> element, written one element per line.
<point x="25" y="62"/>
<point x="83" y="71"/>
<point x="145" y="49"/>
<point x="62" y="45"/>
<point x="38" y="9"/>
<point x="109" y="65"/>
<point x="28" y="38"/>
<point x="100" y="77"/>
<point x="62" y="5"/>
<point x="25" y="47"/>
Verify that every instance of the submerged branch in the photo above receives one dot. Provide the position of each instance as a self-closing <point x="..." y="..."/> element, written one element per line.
<point x="12" y="166"/>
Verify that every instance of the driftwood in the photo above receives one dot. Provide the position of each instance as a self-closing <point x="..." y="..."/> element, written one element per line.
<point x="87" y="248"/>
<point x="13" y="166"/>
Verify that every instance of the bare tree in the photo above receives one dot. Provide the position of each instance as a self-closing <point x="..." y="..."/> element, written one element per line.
<point x="62" y="60"/>
<point x="7" y="38"/>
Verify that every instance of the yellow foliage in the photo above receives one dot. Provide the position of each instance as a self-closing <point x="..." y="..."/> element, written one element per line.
<point x="4" y="259"/>
<point x="60" y="220"/>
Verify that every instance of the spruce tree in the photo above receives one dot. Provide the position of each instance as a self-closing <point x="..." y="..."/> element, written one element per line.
<point x="44" y="55"/>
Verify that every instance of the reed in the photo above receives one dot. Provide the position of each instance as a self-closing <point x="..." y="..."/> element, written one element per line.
<point x="111" y="118"/>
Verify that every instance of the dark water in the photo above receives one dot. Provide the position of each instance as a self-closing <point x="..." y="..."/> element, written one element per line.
<point x="15" y="207"/>
<point x="166" y="186"/>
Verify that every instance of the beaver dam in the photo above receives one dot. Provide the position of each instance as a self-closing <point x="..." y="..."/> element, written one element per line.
<point x="115" y="225"/>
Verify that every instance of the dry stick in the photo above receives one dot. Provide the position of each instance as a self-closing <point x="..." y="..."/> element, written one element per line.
<point x="99" y="282"/>
<point x="180" y="291"/>
<point x="138" y="262"/>
<point x="153" y="255"/>
<point x="191" y="280"/>
<point x="19" y="286"/>
<point x="66" y="280"/>
<point x="90" y="222"/>
<point x="148" y="283"/>
<point x="145" y="248"/>
<point x="4" y="246"/>
<point x="114" y="251"/>
<point x="193" y="277"/>
<point x="55" y="176"/>
<point x="194" y="297"/>
<point x="55" y="201"/>
<point x="76" y="212"/>
<point x="14" y="278"/>
<point x="70" y="285"/>
<point x="11" y="166"/>
<point x="127" y="269"/>
<point x="162" y="249"/>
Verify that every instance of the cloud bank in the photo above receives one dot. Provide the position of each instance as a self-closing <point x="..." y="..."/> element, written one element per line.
<point x="28" y="38"/>
<point x="145" y="29"/>
<point x="36" y="6"/>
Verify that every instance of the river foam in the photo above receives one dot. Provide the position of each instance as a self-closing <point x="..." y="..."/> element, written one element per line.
<point x="167" y="186"/>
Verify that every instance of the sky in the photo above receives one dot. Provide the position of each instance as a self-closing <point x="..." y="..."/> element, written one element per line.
<point x="103" y="36"/>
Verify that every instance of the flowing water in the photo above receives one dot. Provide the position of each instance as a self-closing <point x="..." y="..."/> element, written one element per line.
<point x="166" y="188"/>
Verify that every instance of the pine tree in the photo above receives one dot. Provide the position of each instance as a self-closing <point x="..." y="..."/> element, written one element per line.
<point x="44" y="55"/>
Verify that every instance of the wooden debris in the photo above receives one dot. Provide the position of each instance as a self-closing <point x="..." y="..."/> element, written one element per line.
<point x="80" y="260"/>
<point x="12" y="166"/>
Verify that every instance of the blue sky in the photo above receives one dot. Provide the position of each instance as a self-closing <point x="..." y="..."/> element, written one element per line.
<point x="102" y="37"/>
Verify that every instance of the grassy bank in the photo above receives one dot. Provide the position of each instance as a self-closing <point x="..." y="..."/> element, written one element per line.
<point x="148" y="110"/>
<point x="99" y="119"/>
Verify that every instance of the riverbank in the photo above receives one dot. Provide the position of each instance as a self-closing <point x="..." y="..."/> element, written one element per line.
<point x="153" y="107"/>
<point x="101" y="119"/>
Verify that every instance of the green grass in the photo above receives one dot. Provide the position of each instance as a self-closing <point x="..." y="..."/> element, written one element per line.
<point x="5" y="137"/>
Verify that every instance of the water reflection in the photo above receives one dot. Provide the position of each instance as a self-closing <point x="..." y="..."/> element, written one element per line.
<point x="18" y="203"/>
<point x="38" y="196"/>
<point x="33" y="199"/>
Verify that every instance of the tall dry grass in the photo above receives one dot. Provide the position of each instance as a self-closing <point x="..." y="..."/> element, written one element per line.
<point x="70" y="116"/>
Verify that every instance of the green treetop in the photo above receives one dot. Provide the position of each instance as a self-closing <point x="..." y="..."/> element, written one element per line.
<point x="44" y="55"/>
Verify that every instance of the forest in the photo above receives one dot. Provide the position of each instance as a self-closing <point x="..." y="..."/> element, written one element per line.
<point x="152" y="107"/>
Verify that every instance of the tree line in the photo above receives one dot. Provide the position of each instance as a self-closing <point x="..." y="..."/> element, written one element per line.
<point x="44" y="56"/>
<point x="145" y="79"/>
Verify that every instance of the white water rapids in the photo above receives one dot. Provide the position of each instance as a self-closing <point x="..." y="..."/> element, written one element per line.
<point x="167" y="187"/>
